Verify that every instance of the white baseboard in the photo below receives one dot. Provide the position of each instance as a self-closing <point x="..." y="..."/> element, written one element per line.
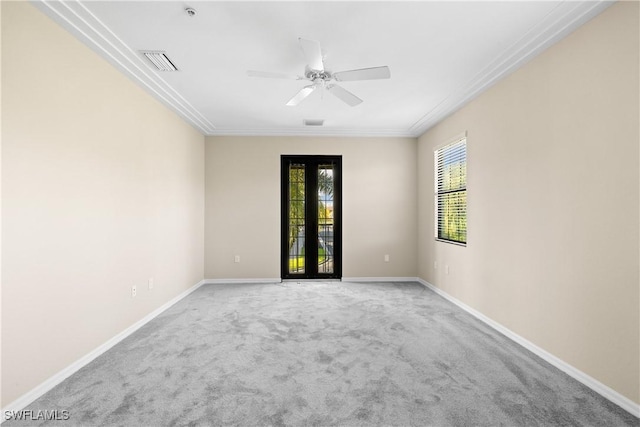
<point x="605" y="391"/>
<point x="379" y="279"/>
<point x="227" y="281"/>
<point x="278" y="280"/>
<point x="29" y="397"/>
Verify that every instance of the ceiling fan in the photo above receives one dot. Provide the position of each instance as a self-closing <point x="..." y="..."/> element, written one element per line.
<point x="320" y="77"/>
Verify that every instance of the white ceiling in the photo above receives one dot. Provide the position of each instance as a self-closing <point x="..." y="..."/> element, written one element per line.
<point x="441" y="55"/>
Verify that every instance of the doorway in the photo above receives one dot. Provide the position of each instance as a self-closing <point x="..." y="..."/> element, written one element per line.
<point x="311" y="212"/>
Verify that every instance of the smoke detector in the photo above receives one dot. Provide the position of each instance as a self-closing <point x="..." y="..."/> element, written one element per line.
<point x="190" y="11"/>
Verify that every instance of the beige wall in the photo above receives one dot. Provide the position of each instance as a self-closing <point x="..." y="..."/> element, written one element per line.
<point x="553" y="201"/>
<point x="0" y="204"/>
<point x="102" y="188"/>
<point x="243" y="204"/>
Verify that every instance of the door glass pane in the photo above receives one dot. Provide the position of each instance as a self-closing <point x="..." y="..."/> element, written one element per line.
<point x="325" y="218"/>
<point x="297" y="222"/>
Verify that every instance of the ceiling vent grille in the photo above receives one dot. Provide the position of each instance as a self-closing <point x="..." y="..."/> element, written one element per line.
<point x="313" y="122"/>
<point x="160" y="60"/>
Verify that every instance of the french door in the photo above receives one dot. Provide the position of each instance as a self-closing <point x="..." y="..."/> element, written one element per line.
<point x="311" y="244"/>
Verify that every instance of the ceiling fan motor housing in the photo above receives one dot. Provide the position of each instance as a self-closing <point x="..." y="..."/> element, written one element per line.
<point x="314" y="75"/>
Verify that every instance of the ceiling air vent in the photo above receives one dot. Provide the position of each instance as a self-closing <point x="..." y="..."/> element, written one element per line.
<point x="159" y="59"/>
<point x="313" y="122"/>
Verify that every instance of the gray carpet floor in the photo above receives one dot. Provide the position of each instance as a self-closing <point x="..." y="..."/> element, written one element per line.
<point x="322" y="354"/>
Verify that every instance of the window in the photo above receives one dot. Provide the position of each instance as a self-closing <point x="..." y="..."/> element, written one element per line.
<point x="451" y="192"/>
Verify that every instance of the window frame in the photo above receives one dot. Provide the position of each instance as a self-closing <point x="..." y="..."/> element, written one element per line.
<point x="311" y="163"/>
<point x="438" y="192"/>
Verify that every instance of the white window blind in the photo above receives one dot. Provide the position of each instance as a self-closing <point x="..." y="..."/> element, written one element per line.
<point x="451" y="192"/>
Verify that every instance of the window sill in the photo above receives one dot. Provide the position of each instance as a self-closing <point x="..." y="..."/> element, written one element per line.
<point x="451" y="242"/>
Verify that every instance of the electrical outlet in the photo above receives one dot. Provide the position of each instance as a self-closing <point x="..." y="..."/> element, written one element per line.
<point x="236" y="258"/>
<point x="151" y="283"/>
<point x="134" y="291"/>
<point x="435" y="265"/>
<point x="446" y="269"/>
<point x="386" y="258"/>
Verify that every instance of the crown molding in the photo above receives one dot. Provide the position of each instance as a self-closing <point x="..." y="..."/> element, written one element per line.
<point x="561" y="21"/>
<point x="79" y="21"/>
<point x="374" y="133"/>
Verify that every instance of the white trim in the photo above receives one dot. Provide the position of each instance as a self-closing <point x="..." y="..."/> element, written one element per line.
<point x="78" y="19"/>
<point x="595" y="385"/>
<point x="605" y="391"/>
<point x="35" y="393"/>
<point x="379" y="279"/>
<point x="279" y="280"/>
<point x="230" y="281"/>
<point x="315" y="132"/>
<point x="561" y="21"/>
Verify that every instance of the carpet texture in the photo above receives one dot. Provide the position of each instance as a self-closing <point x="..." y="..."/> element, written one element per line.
<point x="320" y="354"/>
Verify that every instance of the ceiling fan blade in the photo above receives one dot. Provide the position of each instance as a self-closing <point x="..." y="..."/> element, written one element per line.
<point x="344" y="95"/>
<point x="300" y="96"/>
<point x="363" y="74"/>
<point x="312" y="53"/>
<point x="270" y="75"/>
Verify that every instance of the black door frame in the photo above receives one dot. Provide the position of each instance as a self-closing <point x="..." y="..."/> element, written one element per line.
<point x="311" y="162"/>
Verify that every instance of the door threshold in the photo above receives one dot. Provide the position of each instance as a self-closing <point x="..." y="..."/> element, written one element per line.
<point x="310" y="280"/>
